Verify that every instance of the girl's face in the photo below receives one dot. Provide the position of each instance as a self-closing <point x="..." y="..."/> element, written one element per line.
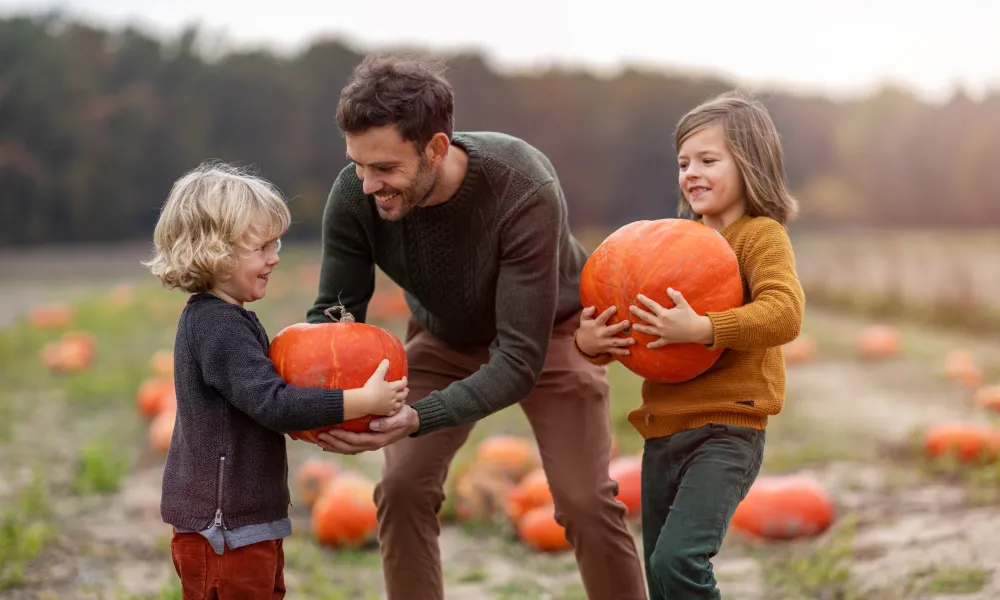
<point x="248" y="281"/>
<point x="710" y="178"/>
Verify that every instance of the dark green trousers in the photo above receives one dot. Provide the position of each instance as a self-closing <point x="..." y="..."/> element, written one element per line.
<point x="692" y="482"/>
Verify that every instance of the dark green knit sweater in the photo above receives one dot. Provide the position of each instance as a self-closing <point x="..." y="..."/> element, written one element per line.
<point x="495" y="264"/>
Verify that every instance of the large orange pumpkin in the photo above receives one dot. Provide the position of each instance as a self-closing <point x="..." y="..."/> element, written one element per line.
<point x="647" y="257"/>
<point x="512" y="454"/>
<point x="539" y="530"/>
<point x="784" y="507"/>
<point x="340" y="354"/>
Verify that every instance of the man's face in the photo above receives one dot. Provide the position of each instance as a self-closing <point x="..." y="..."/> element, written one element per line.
<point x="391" y="169"/>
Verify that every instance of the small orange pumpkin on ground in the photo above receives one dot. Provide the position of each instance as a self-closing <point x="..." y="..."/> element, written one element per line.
<point x="344" y="514"/>
<point x="538" y="529"/>
<point x="154" y="395"/>
<point x="647" y="257"/>
<point x="627" y="471"/>
<point x="313" y="477"/>
<point x="879" y="341"/>
<point x="531" y="492"/>
<point x="51" y="316"/>
<point x="339" y="354"/>
<point x="968" y="442"/>
<point x="512" y="454"/>
<point x="800" y="350"/>
<point x="960" y="367"/>
<point x="783" y="507"/>
<point x="988" y="397"/>
<point x="161" y="429"/>
<point x="161" y="363"/>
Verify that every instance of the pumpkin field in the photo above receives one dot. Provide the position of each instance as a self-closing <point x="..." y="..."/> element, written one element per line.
<point x="881" y="478"/>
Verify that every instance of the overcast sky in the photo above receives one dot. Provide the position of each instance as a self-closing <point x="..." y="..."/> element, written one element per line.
<point x="835" y="46"/>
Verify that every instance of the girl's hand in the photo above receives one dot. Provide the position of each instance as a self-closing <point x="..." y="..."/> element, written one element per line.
<point x="377" y="397"/>
<point x="596" y="337"/>
<point x="677" y="325"/>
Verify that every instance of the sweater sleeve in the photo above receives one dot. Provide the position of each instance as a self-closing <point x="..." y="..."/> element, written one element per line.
<point x="773" y="316"/>
<point x="526" y="295"/>
<point x="347" y="269"/>
<point x="233" y="363"/>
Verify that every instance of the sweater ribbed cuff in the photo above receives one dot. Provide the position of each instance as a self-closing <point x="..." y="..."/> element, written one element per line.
<point x="726" y="329"/>
<point x="333" y="410"/>
<point x="600" y="359"/>
<point x="433" y="415"/>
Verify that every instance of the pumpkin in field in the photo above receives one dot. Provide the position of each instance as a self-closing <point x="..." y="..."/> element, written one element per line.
<point x="627" y="471"/>
<point x="340" y="354"/>
<point x="531" y="492"/>
<point x="161" y="429"/>
<point x="50" y="316"/>
<point x="800" y="350"/>
<point x="154" y="395"/>
<point x="879" y="341"/>
<point x="161" y="363"/>
<point x="72" y="353"/>
<point x="783" y="507"/>
<point x="968" y="442"/>
<point x="344" y="513"/>
<point x="988" y="397"/>
<point x="538" y="529"/>
<point x="647" y="257"/>
<point x="512" y="454"/>
<point x="962" y="368"/>
<point x="312" y="478"/>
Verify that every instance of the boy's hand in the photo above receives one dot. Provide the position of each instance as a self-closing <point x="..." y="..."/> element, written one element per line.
<point x="384" y="398"/>
<point x="596" y="337"/>
<point x="677" y="325"/>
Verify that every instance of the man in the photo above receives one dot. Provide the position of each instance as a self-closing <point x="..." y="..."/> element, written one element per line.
<point x="473" y="227"/>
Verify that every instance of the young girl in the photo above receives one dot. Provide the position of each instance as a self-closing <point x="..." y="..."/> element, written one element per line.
<point x="225" y="483"/>
<point x="704" y="438"/>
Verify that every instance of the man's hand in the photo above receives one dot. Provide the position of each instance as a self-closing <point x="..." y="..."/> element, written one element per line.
<point x="384" y="431"/>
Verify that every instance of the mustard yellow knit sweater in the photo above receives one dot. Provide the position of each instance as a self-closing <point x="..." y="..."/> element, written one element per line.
<point x="747" y="383"/>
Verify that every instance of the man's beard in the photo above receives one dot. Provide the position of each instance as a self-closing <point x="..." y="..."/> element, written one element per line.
<point x="414" y="196"/>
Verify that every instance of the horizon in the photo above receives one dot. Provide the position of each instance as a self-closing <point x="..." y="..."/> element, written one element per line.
<point x="811" y="58"/>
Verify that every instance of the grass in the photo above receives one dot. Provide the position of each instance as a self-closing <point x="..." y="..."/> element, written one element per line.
<point x="24" y="530"/>
<point x="951" y="579"/>
<point x="100" y="468"/>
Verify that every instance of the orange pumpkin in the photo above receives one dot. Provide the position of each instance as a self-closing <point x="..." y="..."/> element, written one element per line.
<point x="51" y="316"/>
<point x="539" y="530"/>
<point x="155" y="395"/>
<point x="72" y="353"/>
<point x="647" y="257"/>
<point x="531" y="492"/>
<point x="784" y="507"/>
<point x="162" y="363"/>
<point x="161" y="429"/>
<point x="312" y="478"/>
<point x="627" y="471"/>
<point x="988" y="397"/>
<point x="960" y="367"/>
<point x="344" y="513"/>
<point x="512" y="454"/>
<point x="879" y="341"/>
<point x="969" y="442"/>
<point x="340" y="354"/>
<point x="800" y="350"/>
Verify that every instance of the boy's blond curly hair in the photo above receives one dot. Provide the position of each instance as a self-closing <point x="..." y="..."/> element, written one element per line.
<point x="213" y="213"/>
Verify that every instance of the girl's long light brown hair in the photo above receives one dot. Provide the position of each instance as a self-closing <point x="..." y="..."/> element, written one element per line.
<point x="754" y="141"/>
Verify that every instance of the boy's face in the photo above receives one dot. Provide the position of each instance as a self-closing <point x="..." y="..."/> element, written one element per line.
<point x="248" y="281"/>
<point x="391" y="169"/>
<point x="709" y="176"/>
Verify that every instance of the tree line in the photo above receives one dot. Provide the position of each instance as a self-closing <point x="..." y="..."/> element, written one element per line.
<point x="95" y="124"/>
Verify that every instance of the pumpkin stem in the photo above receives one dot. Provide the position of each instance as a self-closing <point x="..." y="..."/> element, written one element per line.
<point x="342" y="315"/>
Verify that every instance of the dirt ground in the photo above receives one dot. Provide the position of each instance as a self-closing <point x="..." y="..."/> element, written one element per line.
<point x="901" y="532"/>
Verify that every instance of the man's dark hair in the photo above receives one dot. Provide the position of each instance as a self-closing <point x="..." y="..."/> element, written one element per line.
<point x="408" y="92"/>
